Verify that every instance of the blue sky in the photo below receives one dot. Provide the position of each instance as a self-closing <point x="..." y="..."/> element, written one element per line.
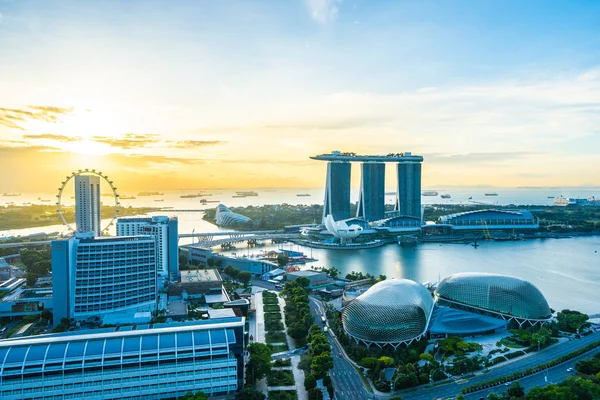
<point x="488" y="91"/>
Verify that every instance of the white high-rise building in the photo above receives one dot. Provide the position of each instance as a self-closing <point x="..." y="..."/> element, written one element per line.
<point x="164" y="230"/>
<point x="87" y="204"/>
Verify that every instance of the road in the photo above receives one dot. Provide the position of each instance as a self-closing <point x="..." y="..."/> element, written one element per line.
<point x="348" y="385"/>
<point x="346" y="381"/>
<point x="551" y="375"/>
<point x="546" y="355"/>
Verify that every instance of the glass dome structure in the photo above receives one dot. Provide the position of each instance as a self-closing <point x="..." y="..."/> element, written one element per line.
<point x="393" y="312"/>
<point x="505" y="296"/>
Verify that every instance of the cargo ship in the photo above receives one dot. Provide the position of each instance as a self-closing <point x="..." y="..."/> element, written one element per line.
<point x="445" y="196"/>
<point x="429" y="193"/>
<point x="150" y="194"/>
<point x="303" y="195"/>
<point x="492" y="194"/>
<point x="11" y="194"/>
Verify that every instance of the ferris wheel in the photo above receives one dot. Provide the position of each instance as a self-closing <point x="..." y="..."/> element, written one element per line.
<point x="99" y="174"/>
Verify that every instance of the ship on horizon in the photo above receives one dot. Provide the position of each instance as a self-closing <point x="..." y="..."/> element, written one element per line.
<point x="303" y="194"/>
<point x="492" y="194"/>
<point x="446" y="196"/>
<point x="150" y="194"/>
<point x="429" y="193"/>
<point x="11" y="194"/>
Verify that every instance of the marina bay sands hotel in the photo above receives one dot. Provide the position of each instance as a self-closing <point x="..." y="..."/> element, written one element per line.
<point x="371" y="200"/>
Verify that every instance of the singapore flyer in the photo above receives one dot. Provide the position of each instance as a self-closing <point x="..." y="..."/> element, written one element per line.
<point x="71" y="177"/>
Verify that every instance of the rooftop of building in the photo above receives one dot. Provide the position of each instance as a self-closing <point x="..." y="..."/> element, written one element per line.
<point x="154" y="219"/>
<point x="348" y="156"/>
<point x="200" y="275"/>
<point x="226" y="321"/>
<point x="478" y="214"/>
<point x="85" y="237"/>
<point x="306" y="273"/>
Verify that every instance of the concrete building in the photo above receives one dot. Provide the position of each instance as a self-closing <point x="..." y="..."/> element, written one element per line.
<point x="490" y="220"/>
<point x="160" y="361"/>
<point x="316" y="278"/>
<point x="371" y="199"/>
<point x="87" y="204"/>
<point x="95" y="277"/>
<point x="21" y="302"/>
<point x="337" y="191"/>
<point x="164" y="230"/>
<point x="408" y="195"/>
<point x="255" y="267"/>
<point x="198" y="283"/>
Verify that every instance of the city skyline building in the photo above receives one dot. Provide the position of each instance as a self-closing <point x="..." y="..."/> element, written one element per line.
<point x="408" y="195"/>
<point x="337" y="191"/>
<point x="371" y="198"/>
<point x="87" y="204"/>
<point x="371" y="201"/>
<point x="159" y="361"/>
<point x="164" y="230"/>
<point x="94" y="277"/>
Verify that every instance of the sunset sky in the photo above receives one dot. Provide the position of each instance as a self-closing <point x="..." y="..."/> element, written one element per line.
<point x="238" y="94"/>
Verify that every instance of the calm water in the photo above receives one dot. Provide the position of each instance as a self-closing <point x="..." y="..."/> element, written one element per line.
<point x="567" y="271"/>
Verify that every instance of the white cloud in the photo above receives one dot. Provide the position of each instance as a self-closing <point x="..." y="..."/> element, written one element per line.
<point x="323" y="11"/>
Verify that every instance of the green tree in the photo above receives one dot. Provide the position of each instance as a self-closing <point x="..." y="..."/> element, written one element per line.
<point x="259" y="363"/>
<point x="310" y="382"/>
<point x="369" y="362"/>
<point x="244" y="277"/>
<point x="31" y="279"/>
<point x="210" y="262"/>
<point x="249" y="393"/>
<point x="195" y="396"/>
<point x="183" y="259"/>
<point x="282" y="260"/>
<point x="303" y="281"/>
<point x="321" y="364"/>
<point x="515" y="390"/>
<point x="219" y="263"/>
<point x="570" y="320"/>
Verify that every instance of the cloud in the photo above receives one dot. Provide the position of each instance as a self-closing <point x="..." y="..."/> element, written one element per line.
<point x="477" y="158"/>
<point x="129" y="141"/>
<point x="323" y="11"/>
<point x="193" y="144"/>
<point x="51" y="136"/>
<point x="14" y="118"/>
<point x="163" y="160"/>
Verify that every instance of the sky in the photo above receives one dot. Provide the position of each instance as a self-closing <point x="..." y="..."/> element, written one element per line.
<point x="238" y="94"/>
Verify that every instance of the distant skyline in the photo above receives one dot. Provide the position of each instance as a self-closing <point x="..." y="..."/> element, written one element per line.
<point x="239" y="94"/>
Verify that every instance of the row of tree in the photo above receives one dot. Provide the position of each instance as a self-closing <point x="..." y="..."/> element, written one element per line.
<point x="243" y="277"/>
<point x="37" y="264"/>
<point x="318" y="363"/>
<point x="297" y="311"/>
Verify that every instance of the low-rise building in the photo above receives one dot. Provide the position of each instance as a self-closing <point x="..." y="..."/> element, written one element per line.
<point x="160" y="361"/>
<point x="201" y="282"/>
<point x="317" y="279"/>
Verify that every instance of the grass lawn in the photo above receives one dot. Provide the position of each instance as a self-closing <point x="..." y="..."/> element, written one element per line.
<point x="266" y="294"/>
<point x="278" y="348"/>
<point x="270" y="300"/>
<point x="284" y="362"/>
<point x="275" y="337"/>
<point x="282" y="395"/>
<point x="271" y="308"/>
<point x="273" y="326"/>
<point x="272" y="317"/>
<point x="280" y="378"/>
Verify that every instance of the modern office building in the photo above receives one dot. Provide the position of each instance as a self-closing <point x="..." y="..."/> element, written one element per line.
<point x="371" y="198"/>
<point x="337" y="191"/>
<point x="500" y="296"/>
<point x="99" y="276"/>
<point x="391" y="312"/>
<point x="87" y="204"/>
<point x="408" y="196"/>
<point x="164" y="230"/>
<point x="160" y="361"/>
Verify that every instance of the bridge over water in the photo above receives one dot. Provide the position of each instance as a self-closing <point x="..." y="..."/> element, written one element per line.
<point x="218" y="238"/>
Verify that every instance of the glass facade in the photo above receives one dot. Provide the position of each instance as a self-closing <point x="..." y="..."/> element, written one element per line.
<point x="98" y="276"/>
<point x="501" y="294"/>
<point x="224" y="216"/>
<point x="161" y="361"/>
<point x="337" y="190"/>
<point x="408" y="198"/>
<point x="394" y="311"/>
<point x="371" y="200"/>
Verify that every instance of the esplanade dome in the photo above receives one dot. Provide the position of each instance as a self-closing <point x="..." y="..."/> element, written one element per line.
<point x="393" y="311"/>
<point x="504" y="295"/>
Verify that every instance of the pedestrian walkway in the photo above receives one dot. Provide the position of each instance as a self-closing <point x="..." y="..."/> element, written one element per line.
<point x="259" y="336"/>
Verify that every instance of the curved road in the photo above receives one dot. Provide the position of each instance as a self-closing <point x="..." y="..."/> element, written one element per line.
<point x="348" y="385"/>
